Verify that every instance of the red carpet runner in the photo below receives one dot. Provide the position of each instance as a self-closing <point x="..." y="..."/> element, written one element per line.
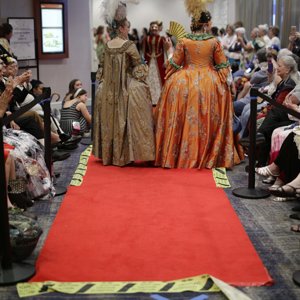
<point x="137" y="223"/>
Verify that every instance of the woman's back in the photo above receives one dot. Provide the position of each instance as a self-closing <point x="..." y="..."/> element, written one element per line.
<point x="199" y="53"/>
<point x="69" y="115"/>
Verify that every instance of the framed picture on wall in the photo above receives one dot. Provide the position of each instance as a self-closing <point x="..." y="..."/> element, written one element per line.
<point x="23" y="39"/>
<point x="51" y="24"/>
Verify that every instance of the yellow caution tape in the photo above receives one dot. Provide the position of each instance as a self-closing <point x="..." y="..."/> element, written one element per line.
<point x="220" y="178"/>
<point x="201" y="284"/>
<point x="77" y="178"/>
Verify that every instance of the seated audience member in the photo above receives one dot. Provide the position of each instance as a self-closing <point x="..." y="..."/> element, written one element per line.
<point x="37" y="88"/>
<point x="287" y="77"/>
<point x="274" y="36"/>
<point x="235" y="49"/>
<point x="278" y="88"/>
<point x="285" y="168"/>
<point x="6" y="32"/>
<point x="14" y="193"/>
<point x="75" y="112"/>
<point x="294" y="42"/>
<point x="29" y="121"/>
<point x="255" y="44"/>
<point x="229" y="38"/>
<point x="263" y="33"/>
<point x="291" y="101"/>
<point x="257" y="80"/>
<point x="73" y="86"/>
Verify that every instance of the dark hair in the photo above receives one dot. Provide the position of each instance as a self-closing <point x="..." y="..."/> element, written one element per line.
<point x="215" y="31"/>
<point x="100" y="30"/>
<point x="135" y="32"/>
<point x="35" y="83"/>
<point x="222" y="31"/>
<point x="154" y="23"/>
<point x="261" y="55"/>
<point x="116" y="24"/>
<point x="238" y="24"/>
<point x="71" y="86"/>
<point x="145" y="30"/>
<point x="198" y="24"/>
<point x="80" y="93"/>
<point x="5" y="30"/>
<point x="275" y="30"/>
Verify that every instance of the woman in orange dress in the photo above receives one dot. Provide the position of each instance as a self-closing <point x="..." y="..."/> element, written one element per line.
<point x="194" y="114"/>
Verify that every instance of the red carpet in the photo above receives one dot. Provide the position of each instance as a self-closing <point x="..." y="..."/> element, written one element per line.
<point x="136" y="223"/>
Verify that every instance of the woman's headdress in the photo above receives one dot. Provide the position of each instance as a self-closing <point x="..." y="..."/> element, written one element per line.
<point x="115" y="9"/>
<point x="115" y="12"/>
<point x="195" y="8"/>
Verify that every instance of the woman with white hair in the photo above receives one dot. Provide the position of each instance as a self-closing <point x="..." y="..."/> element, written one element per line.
<point x="292" y="101"/>
<point x="235" y="53"/>
<point x="286" y="78"/>
<point x="263" y="33"/>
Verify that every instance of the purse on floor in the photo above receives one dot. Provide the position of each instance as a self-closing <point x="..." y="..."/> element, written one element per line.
<point x="24" y="235"/>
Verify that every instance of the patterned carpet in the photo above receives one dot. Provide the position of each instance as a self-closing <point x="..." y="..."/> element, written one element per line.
<point x="267" y="223"/>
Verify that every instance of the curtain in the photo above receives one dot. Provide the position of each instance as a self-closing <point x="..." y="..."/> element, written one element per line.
<point x="255" y="12"/>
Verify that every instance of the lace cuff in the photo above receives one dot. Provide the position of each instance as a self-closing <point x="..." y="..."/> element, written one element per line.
<point x="140" y="72"/>
<point x="222" y="66"/>
<point x="173" y="64"/>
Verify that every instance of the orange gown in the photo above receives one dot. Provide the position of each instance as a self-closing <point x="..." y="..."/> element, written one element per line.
<point x="193" y="117"/>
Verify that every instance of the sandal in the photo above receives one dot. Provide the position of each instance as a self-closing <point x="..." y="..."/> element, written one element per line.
<point x="283" y="199"/>
<point x="285" y="191"/>
<point x="295" y="228"/>
<point x="277" y="184"/>
<point x="269" y="180"/>
<point x="265" y="171"/>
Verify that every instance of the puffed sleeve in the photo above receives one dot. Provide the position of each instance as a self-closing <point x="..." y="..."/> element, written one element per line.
<point x="221" y="63"/>
<point x="175" y="62"/>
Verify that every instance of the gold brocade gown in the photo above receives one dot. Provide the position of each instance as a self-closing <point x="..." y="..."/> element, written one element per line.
<point x="122" y="120"/>
<point x="193" y="117"/>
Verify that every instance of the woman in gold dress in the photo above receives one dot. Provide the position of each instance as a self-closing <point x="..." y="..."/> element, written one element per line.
<point x="194" y="114"/>
<point x="122" y="121"/>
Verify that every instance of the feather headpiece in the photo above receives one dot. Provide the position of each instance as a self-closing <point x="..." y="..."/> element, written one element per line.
<point x="195" y="7"/>
<point x="115" y="9"/>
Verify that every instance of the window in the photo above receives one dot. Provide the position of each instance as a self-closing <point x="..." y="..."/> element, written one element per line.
<point x="51" y="20"/>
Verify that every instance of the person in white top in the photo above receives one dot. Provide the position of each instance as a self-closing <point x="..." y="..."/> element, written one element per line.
<point x="274" y="36"/>
<point x="263" y="33"/>
<point x="229" y="39"/>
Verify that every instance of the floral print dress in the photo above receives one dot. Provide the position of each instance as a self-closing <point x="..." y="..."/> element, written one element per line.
<point x="193" y="118"/>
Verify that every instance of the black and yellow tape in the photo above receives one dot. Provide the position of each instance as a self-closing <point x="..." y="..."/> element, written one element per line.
<point x="220" y="178"/>
<point x="200" y="284"/>
<point x="77" y="178"/>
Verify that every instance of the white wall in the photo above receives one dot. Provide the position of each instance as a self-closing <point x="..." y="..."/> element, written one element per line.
<point x="142" y="14"/>
<point x="58" y="73"/>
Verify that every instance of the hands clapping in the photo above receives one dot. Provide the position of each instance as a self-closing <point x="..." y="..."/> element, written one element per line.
<point x="6" y="96"/>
